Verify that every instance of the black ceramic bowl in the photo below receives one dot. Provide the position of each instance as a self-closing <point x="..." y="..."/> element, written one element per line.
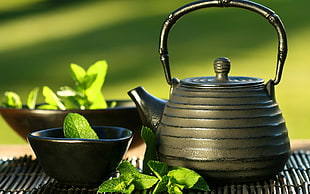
<point x="25" y="121"/>
<point x="80" y="162"/>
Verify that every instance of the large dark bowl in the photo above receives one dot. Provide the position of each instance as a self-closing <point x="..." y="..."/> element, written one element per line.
<point x="25" y="121"/>
<point x="80" y="162"/>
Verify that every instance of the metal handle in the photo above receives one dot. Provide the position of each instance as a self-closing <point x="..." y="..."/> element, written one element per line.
<point x="264" y="11"/>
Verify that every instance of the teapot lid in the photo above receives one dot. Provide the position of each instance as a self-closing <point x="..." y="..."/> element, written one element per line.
<point x="221" y="68"/>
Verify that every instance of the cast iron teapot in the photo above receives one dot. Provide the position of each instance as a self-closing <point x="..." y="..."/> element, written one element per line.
<point x="227" y="128"/>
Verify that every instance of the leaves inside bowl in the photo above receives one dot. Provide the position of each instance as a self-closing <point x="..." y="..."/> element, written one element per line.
<point x="86" y="94"/>
<point x="77" y="126"/>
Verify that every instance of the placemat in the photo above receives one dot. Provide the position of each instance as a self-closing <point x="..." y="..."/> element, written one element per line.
<point x="24" y="175"/>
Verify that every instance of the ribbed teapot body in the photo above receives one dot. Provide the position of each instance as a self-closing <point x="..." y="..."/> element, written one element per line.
<point x="231" y="134"/>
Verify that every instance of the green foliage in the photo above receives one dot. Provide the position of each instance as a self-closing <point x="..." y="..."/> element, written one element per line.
<point x="164" y="181"/>
<point x="77" y="126"/>
<point x="86" y="95"/>
<point x="129" y="180"/>
<point x="89" y="84"/>
<point x="160" y="169"/>
<point x="159" y="178"/>
<point x="122" y="184"/>
<point x="51" y="100"/>
<point x="11" y="100"/>
<point x="150" y="151"/>
<point x="177" y="179"/>
<point x="184" y="176"/>
<point x="32" y="98"/>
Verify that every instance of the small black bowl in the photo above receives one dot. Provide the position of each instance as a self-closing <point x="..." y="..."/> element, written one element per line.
<point x="80" y="162"/>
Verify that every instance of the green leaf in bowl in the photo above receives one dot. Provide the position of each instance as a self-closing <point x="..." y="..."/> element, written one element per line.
<point x="76" y="126"/>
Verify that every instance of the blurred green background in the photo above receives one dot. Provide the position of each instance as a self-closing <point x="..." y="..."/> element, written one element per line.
<point x="40" y="38"/>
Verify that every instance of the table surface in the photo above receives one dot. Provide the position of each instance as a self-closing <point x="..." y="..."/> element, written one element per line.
<point x="16" y="150"/>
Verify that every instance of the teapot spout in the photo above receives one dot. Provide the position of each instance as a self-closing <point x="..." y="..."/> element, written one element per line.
<point x="149" y="107"/>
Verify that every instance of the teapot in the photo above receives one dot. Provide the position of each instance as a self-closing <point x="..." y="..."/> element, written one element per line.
<point x="226" y="128"/>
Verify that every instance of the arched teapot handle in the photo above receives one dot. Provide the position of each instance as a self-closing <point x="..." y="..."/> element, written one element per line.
<point x="264" y="11"/>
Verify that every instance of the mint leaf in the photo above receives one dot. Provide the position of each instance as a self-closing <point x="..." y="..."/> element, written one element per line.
<point x="52" y="99"/>
<point x="174" y="187"/>
<point x="160" y="169"/>
<point x="184" y="176"/>
<point x="189" y="178"/>
<point x="100" y="69"/>
<point x="72" y="99"/>
<point x="130" y="178"/>
<point x="179" y="178"/>
<point x="124" y="188"/>
<point x="121" y="184"/>
<point x="73" y="102"/>
<point x="32" y="98"/>
<point x="77" y="126"/>
<point x="78" y="73"/>
<point x="161" y="186"/>
<point x="127" y="169"/>
<point x="141" y="181"/>
<point x="83" y="81"/>
<point x="150" y="152"/>
<point x="93" y="93"/>
<point x="11" y="100"/>
<point x="90" y="83"/>
<point x="201" y="185"/>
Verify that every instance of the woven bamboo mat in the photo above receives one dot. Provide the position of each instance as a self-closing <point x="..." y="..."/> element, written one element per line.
<point x="24" y="175"/>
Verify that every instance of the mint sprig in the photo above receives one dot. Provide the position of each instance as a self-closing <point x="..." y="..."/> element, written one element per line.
<point x="12" y="100"/>
<point x="160" y="179"/>
<point x="86" y="94"/>
<point x="129" y="180"/>
<point x="163" y="180"/>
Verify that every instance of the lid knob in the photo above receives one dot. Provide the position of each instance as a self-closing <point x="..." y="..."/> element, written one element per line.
<point x="222" y="68"/>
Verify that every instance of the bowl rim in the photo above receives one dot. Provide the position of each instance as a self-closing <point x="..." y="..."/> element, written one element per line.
<point x="78" y="140"/>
